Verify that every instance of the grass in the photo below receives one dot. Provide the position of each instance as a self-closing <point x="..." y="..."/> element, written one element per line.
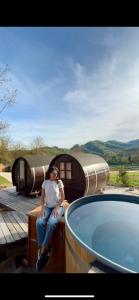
<point x="133" y="178"/>
<point x="4" y="182"/>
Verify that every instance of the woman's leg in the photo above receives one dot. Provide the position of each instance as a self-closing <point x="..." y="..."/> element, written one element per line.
<point x="51" y="226"/>
<point x="45" y="251"/>
<point x="41" y="226"/>
<point x="40" y="231"/>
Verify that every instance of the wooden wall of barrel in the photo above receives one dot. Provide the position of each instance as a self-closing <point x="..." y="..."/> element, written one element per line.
<point x="28" y="173"/>
<point x="82" y="174"/>
<point x="78" y="259"/>
<point x="57" y="259"/>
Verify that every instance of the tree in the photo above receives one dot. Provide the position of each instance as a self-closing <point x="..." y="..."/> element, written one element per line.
<point x="130" y="159"/>
<point x="37" y="144"/>
<point x="4" y="149"/>
<point x="123" y="176"/>
<point x="16" y="150"/>
<point x="7" y="93"/>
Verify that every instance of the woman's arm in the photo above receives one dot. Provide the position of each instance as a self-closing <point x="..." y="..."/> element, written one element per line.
<point x="62" y="197"/>
<point x="55" y="210"/>
<point x="42" y="202"/>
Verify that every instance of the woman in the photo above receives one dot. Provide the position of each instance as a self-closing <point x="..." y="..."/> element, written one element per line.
<point x="52" y="210"/>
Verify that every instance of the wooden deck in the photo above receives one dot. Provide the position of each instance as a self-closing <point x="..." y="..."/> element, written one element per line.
<point x="14" y="222"/>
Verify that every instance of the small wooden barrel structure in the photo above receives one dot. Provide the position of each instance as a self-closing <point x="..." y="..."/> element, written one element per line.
<point x="28" y="173"/>
<point x="57" y="259"/>
<point x="82" y="174"/>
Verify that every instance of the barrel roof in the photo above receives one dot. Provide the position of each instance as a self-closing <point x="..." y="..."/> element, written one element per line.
<point x="85" y="159"/>
<point x="38" y="160"/>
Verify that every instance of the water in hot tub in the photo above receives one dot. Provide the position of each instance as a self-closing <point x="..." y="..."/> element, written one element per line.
<point x="111" y="228"/>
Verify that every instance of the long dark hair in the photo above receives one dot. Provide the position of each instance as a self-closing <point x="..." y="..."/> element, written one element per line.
<point x="50" y="170"/>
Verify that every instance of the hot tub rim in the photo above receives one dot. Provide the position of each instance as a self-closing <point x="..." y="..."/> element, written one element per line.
<point x="82" y="201"/>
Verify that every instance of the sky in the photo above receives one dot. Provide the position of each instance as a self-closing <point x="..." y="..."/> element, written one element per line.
<point x="74" y="84"/>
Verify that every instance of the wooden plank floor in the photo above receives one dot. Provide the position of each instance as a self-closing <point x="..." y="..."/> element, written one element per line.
<point x="14" y="223"/>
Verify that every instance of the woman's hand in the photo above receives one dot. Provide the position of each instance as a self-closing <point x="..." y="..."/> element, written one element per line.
<point x="55" y="211"/>
<point x="41" y="212"/>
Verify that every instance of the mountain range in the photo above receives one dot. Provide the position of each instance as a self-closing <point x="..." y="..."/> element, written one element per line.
<point x="100" y="147"/>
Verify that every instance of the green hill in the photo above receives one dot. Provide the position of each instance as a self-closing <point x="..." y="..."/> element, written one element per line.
<point x="114" y="152"/>
<point x="101" y="147"/>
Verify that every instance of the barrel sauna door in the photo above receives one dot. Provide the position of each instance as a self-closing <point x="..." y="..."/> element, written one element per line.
<point x="21" y="176"/>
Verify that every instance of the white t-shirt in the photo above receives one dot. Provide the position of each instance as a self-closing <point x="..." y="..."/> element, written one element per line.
<point x="52" y="192"/>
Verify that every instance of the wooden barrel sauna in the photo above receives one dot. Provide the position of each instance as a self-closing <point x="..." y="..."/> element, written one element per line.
<point x="82" y="174"/>
<point x="57" y="259"/>
<point x="102" y="230"/>
<point x="28" y="173"/>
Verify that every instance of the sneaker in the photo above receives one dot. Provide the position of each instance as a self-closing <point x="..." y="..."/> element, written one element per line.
<point x="42" y="261"/>
<point x="39" y="253"/>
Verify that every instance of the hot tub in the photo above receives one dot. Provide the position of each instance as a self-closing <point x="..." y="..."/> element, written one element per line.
<point x="103" y="228"/>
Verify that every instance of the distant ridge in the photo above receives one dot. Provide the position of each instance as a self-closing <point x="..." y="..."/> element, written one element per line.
<point x="113" y="151"/>
<point x="112" y="145"/>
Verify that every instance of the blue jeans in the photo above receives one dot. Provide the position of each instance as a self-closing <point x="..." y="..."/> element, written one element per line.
<point x="45" y="226"/>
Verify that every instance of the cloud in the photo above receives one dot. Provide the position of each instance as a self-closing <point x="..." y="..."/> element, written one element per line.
<point x="105" y="103"/>
<point x="82" y="104"/>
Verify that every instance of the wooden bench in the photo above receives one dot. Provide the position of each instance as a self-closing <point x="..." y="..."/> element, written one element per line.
<point x="57" y="259"/>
